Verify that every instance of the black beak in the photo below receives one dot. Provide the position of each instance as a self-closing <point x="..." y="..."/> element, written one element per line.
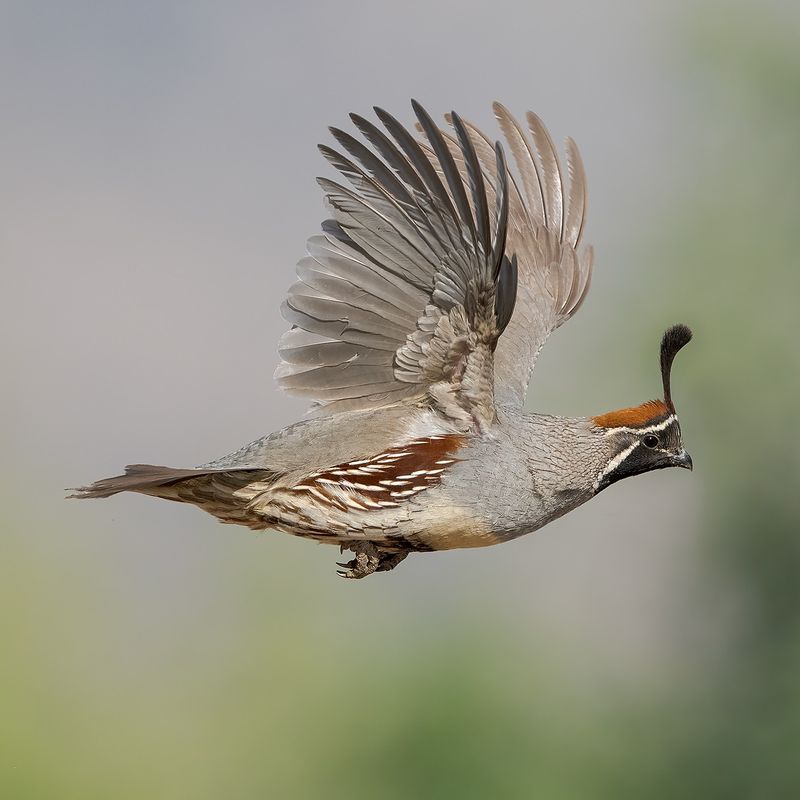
<point x="683" y="459"/>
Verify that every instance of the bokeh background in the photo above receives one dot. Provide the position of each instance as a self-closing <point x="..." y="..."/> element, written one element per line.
<point x="157" y="168"/>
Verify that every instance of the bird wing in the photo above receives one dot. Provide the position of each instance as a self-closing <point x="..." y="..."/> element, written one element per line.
<point x="545" y="223"/>
<point x="405" y="294"/>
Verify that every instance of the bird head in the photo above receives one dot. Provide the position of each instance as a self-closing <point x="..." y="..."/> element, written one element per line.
<point x="648" y="436"/>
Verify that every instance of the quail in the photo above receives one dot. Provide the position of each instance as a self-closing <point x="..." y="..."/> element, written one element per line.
<point x="416" y="320"/>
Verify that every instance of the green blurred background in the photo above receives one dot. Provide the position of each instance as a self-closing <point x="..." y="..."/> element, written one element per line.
<point x="156" y="187"/>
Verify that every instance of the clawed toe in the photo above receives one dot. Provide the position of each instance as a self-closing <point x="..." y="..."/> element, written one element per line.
<point x="368" y="559"/>
<point x="348" y="569"/>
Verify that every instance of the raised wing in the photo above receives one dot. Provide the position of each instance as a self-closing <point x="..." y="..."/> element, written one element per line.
<point x="404" y="296"/>
<point x="546" y="220"/>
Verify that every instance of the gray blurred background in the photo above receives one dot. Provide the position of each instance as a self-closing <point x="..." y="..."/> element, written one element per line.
<point x="157" y="165"/>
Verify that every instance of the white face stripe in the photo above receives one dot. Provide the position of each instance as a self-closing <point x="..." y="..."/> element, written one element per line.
<point x="613" y="464"/>
<point x="652" y="429"/>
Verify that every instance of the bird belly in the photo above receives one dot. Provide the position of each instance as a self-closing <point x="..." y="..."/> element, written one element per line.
<point x="429" y="520"/>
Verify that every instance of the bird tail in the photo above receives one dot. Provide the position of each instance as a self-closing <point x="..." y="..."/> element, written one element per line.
<point x="143" y="478"/>
<point x="214" y="490"/>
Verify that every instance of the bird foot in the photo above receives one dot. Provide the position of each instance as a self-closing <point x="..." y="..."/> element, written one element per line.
<point x="368" y="559"/>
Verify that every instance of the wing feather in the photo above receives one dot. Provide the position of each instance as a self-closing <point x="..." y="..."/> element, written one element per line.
<point x="347" y="264"/>
<point x="386" y="198"/>
<point x="431" y="214"/>
<point x="546" y="221"/>
<point x="435" y="235"/>
<point x="449" y="168"/>
<point x="475" y="177"/>
<point x="576" y="208"/>
<point x="374" y="232"/>
<point x="526" y="163"/>
<point x="407" y="285"/>
<point x="322" y="284"/>
<point x="550" y="176"/>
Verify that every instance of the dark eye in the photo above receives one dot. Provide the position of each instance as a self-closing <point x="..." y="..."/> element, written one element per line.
<point x="650" y="440"/>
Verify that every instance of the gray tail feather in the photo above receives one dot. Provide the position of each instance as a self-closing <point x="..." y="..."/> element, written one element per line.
<point x="137" y="478"/>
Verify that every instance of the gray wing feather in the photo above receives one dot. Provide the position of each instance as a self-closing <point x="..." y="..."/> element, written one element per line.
<point x="370" y="298"/>
<point x="475" y="177"/>
<point x="431" y="217"/>
<point x="427" y="173"/>
<point x="375" y="231"/>
<point x="347" y="264"/>
<point x="526" y="163"/>
<point x="550" y="175"/>
<point x="387" y="198"/>
<point x="332" y="325"/>
<point x="576" y="209"/>
<point x="449" y="168"/>
<point x="409" y="277"/>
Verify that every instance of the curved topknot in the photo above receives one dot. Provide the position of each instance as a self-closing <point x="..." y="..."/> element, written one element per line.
<point x="673" y="340"/>
<point x="653" y="411"/>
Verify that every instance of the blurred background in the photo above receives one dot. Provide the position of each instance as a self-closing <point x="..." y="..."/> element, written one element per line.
<point x="157" y="164"/>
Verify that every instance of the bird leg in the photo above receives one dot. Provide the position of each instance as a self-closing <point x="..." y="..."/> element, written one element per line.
<point x="368" y="559"/>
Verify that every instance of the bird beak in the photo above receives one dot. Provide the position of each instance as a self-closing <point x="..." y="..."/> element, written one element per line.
<point x="682" y="459"/>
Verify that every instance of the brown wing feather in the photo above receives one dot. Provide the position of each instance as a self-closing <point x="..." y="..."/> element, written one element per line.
<point x="384" y="480"/>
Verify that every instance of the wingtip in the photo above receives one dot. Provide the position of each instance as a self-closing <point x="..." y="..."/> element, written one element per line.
<point x="359" y="121"/>
<point x="425" y="119"/>
<point x="535" y="120"/>
<point x="500" y="110"/>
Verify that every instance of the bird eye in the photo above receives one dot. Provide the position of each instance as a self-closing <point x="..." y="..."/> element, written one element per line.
<point x="651" y="440"/>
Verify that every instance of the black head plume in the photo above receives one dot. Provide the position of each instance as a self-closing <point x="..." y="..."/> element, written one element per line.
<point x="673" y="340"/>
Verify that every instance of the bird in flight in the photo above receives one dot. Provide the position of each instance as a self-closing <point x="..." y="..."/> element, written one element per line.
<point x="416" y="320"/>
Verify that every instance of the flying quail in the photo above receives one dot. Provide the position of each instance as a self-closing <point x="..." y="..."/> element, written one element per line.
<point x="416" y="321"/>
